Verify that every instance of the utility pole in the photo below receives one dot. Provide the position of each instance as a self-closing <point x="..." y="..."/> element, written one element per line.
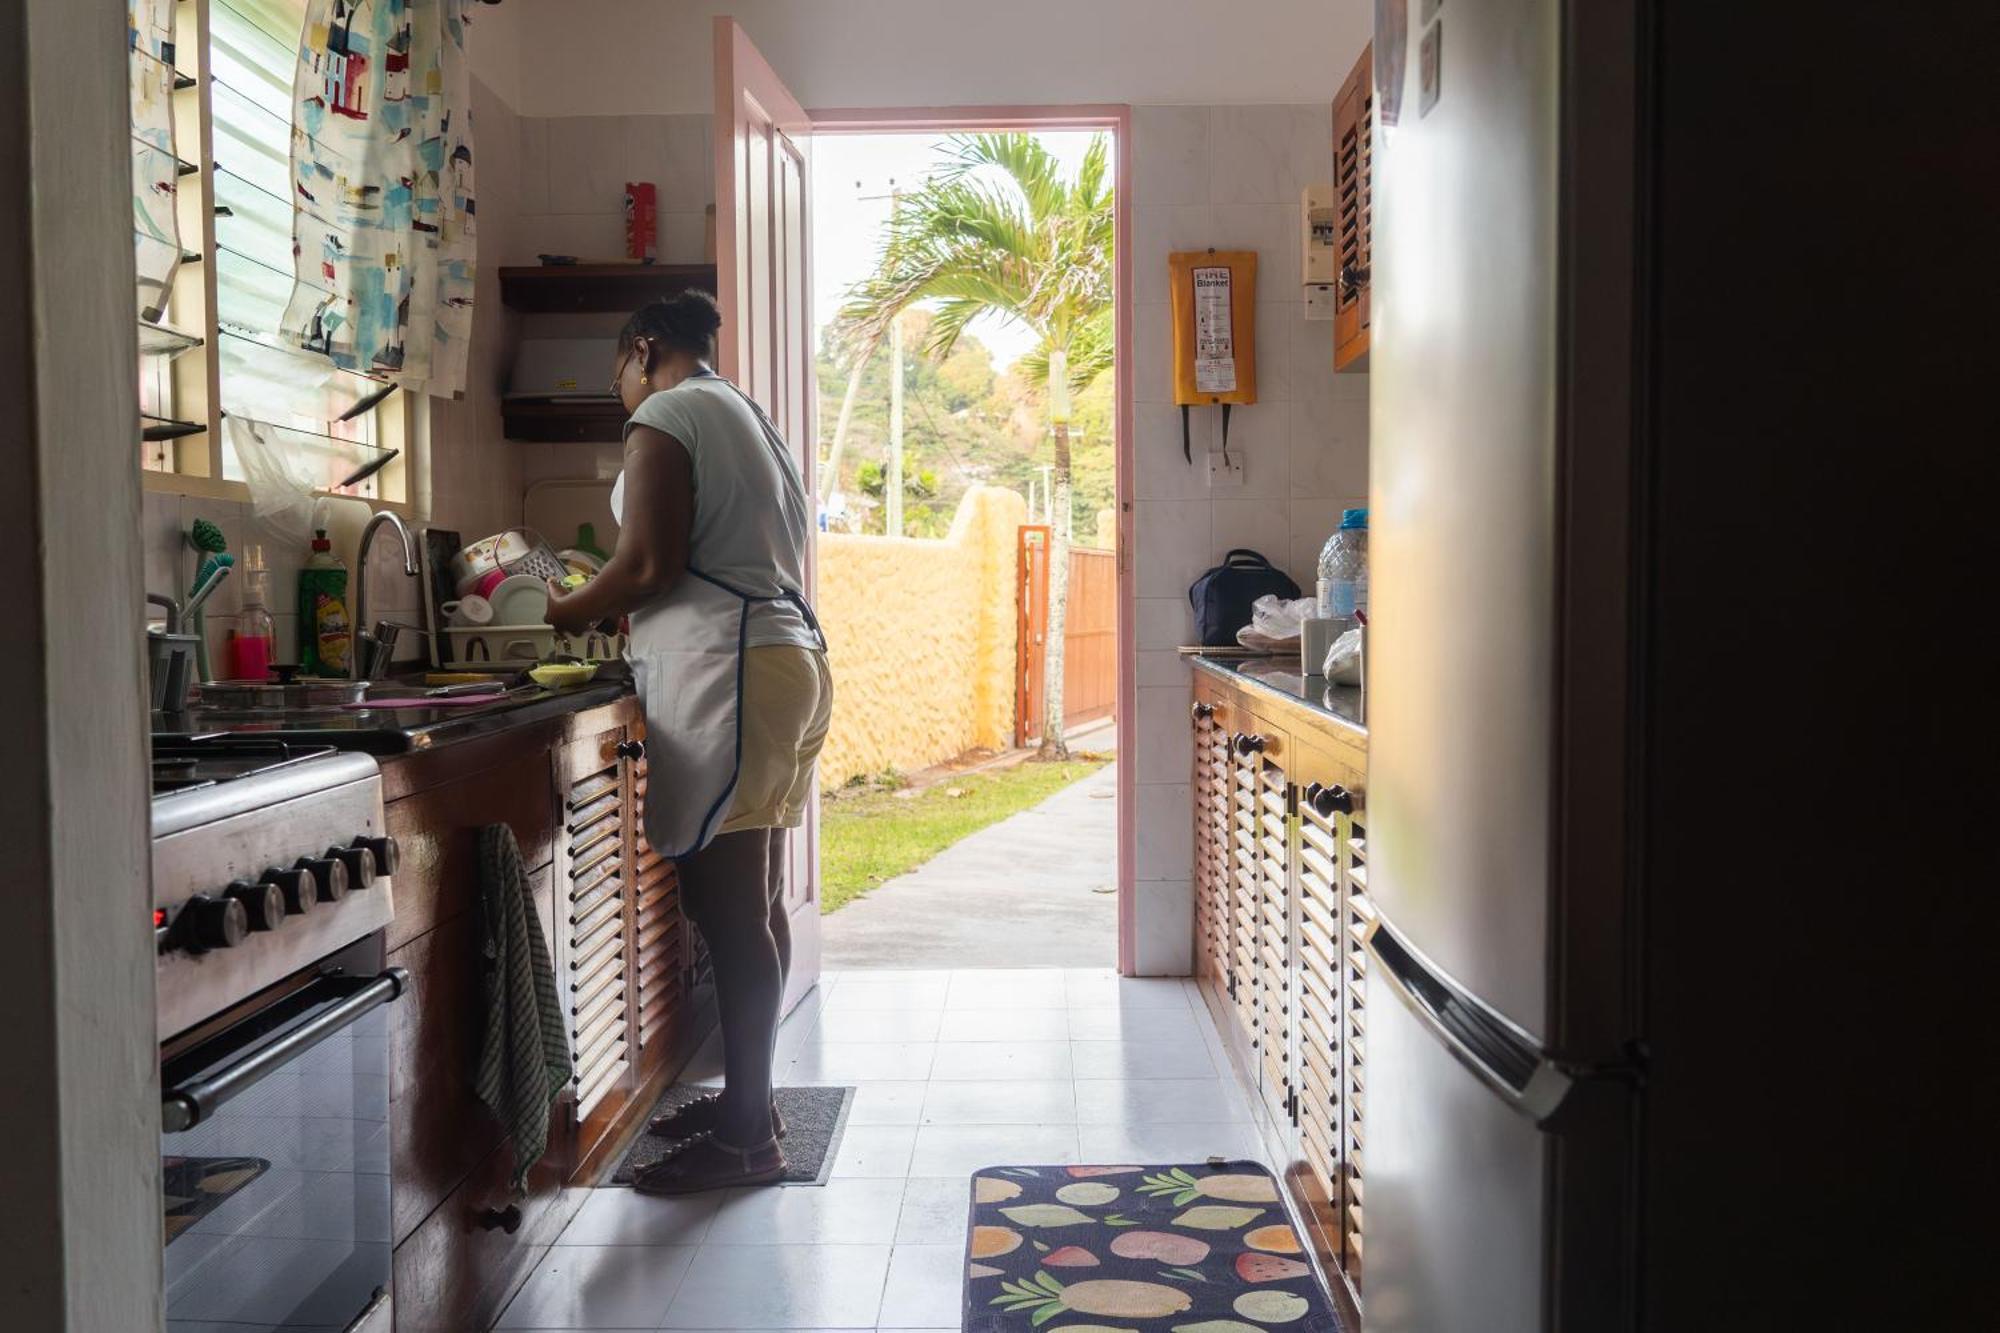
<point x="893" y="486"/>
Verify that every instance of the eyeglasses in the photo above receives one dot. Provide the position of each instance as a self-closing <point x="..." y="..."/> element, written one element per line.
<point x="619" y="373"/>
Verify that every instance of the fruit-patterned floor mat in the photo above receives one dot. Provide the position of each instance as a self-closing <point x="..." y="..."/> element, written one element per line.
<point x="1207" y="1248"/>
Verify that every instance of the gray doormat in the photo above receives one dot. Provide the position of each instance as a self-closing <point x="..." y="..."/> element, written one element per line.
<point x="815" y="1118"/>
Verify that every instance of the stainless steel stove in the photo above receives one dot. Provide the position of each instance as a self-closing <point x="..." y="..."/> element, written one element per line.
<point x="271" y="901"/>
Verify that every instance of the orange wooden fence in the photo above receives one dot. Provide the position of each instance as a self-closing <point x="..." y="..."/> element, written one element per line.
<point x="1090" y="635"/>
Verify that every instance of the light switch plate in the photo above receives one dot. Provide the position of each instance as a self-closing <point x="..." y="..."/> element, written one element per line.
<point x="1225" y="471"/>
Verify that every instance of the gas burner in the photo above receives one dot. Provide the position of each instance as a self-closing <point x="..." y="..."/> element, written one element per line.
<point x="184" y="763"/>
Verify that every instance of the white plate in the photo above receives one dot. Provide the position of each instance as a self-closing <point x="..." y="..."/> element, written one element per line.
<point x="520" y="599"/>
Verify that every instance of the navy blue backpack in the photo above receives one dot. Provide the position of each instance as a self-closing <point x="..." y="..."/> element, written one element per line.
<point x="1222" y="597"/>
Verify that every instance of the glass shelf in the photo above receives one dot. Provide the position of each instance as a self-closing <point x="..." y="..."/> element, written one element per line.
<point x="252" y="221"/>
<point x="164" y="340"/>
<point x="154" y="428"/>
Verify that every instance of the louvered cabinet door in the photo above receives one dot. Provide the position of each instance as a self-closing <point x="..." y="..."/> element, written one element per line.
<point x="1318" y="882"/>
<point x="1353" y="132"/>
<point x="1246" y="887"/>
<point x="659" y="933"/>
<point x="1277" y="1001"/>
<point x="1359" y="918"/>
<point x="1210" y="812"/>
<point x="597" y="927"/>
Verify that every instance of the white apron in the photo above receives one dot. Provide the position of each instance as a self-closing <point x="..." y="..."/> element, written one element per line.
<point x="686" y="652"/>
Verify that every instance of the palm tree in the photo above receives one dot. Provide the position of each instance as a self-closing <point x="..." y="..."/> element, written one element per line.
<point x="999" y="230"/>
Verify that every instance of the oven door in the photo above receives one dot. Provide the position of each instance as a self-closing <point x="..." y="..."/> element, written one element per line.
<point x="275" y="1147"/>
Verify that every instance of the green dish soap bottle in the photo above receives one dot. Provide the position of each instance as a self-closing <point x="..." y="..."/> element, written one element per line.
<point x="323" y="621"/>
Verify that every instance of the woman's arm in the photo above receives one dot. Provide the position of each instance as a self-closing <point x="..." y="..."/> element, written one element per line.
<point x="652" y="540"/>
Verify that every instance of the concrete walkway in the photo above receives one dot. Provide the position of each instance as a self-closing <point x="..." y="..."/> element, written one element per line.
<point x="1037" y="889"/>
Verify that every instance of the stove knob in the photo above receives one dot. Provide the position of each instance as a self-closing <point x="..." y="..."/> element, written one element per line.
<point x="263" y="904"/>
<point x="360" y="863"/>
<point x="387" y="854"/>
<point x="212" y="923"/>
<point x="299" y="886"/>
<point x="329" y="874"/>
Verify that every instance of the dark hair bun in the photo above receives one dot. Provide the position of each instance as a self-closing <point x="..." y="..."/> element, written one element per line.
<point x="687" y="321"/>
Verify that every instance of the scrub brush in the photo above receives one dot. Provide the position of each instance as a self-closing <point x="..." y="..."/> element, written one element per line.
<point x="207" y="538"/>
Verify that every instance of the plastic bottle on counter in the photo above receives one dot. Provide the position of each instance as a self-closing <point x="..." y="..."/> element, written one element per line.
<point x="251" y="646"/>
<point x="1343" y="568"/>
<point x="323" y="622"/>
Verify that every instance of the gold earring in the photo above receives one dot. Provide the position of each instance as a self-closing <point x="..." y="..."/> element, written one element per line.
<point x="645" y="381"/>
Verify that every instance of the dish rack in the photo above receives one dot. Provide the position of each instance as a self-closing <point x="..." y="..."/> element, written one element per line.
<point x="480" y="647"/>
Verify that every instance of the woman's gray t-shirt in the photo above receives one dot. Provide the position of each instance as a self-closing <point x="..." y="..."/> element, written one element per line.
<point x="752" y="518"/>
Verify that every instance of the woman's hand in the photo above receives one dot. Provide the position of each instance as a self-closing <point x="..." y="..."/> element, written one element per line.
<point x="563" y="613"/>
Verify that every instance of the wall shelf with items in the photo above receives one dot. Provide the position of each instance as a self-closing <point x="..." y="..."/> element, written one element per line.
<point x="554" y="422"/>
<point x="605" y="288"/>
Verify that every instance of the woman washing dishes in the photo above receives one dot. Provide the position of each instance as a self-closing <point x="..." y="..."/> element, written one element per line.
<point x="731" y="669"/>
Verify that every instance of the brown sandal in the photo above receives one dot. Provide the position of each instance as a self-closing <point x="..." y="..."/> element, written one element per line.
<point x="707" y="1163"/>
<point x="701" y="1116"/>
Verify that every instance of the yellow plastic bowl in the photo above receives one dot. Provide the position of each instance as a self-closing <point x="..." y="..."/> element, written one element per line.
<point x="562" y="675"/>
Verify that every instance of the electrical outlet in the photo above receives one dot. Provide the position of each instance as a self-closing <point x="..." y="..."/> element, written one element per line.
<point x="1225" y="471"/>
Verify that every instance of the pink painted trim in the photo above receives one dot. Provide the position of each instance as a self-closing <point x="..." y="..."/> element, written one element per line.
<point x="1116" y="118"/>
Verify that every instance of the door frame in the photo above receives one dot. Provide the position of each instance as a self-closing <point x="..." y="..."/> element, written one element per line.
<point x="1116" y="120"/>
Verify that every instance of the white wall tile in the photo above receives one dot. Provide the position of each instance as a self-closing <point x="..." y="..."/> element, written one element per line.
<point x="1274" y="331"/>
<point x="1257" y="525"/>
<point x="587" y="165"/>
<point x="683" y="238"/>
<point x="588" y="236"/>
<point x="1329" y="447"/>
<point x="1271" y="230"/>
<point x="1165" y="623"/>
<point x="532" y="188"/>
<point x="1170" y="155"/>
<point x="1165" y="745"/>
<point x="1312" y="360"/>
<point x="1158" y="667"/>
<point x="1153" y="346"/>
<point x="1160" y="470"/>
<point x="672" y="153"/>
<point x="1259" y="439"/>
<point x="1163" y="927"/>
<point x="1166" y="832"/>
<point x="1251" y="156"/>
<point x="1158" y="230"/>
<point x="1171" y="548"/>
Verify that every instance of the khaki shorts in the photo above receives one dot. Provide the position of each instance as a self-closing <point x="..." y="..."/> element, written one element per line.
<point x="786" y="707"/>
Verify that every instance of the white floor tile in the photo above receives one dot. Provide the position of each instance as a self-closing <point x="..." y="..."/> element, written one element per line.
<point x="599" y="1287"/>
<point x="1126" y="1024"/>
<point x="1003" y="1102"/>
<point x="1159" y="1101"/>
<point x="1036" y="989"/>
<point x="782" y="1286"/>
<point x="875" y="1025"/>
<point x="878" y="1151"/>
<point x="619" y="1216"/>
<point x="959" y="1150"/>
<point x="926" y="1287"/>
<point x="888" y="1103"/>
<point x="996" y="1060"/>
<point x="1141" y="1059"/>
<point x="1004" y="1025"/>
<point x="1149" y="1145"/>
<point x="1127" y="993"/>
<point x="862" y="1061"/>
<point x="852" y="995"/>
<point x="936" y="1209"/>
<point x="843" y="1211"/>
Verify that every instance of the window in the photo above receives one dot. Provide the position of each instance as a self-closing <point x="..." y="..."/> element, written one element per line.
<point x="214" y="347"/>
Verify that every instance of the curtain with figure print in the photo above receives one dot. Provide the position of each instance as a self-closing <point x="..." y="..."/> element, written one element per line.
<point x="383" y="224"/>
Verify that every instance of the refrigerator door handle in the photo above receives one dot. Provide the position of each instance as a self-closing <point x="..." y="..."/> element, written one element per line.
<point x="1502" y="1055"/>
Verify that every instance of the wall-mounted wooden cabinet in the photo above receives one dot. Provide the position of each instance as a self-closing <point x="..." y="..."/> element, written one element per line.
<point x="1281" y="916"/>
<point x="1353" y="130"/>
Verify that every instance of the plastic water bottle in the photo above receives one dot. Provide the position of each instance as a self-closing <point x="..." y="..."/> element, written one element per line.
<point x="1343" y="568"/>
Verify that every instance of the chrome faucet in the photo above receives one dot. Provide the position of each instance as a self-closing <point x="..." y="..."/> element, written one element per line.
<point x="370" y="651"/>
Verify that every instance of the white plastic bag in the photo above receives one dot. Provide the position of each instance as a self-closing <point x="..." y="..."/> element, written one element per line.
<point x="281" y="486"/>
<point x="1343" y="659"/>
<point x="1276" y="618"/>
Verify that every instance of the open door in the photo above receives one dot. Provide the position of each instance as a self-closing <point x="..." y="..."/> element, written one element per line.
<point x="763" y="145"/>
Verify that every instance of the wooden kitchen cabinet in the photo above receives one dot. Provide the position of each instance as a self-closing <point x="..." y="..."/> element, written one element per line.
<point x="1353" y="131"/>
<point x="1281" y="916"/>
<point x="610" y="908"/>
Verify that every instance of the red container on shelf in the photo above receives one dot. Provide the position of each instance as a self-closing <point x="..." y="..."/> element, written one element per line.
<point x="642" y="221"/>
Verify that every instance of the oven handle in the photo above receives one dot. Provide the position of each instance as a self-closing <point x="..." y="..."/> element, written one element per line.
<point x="192" y="1102"/>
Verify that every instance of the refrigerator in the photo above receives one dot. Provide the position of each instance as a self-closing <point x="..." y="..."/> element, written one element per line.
<point x="1504" y="1061"/>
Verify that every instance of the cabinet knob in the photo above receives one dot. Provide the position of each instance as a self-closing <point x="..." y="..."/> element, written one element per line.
<point x="1248" y="743"/>
<point x="1329" y="801"/>
<point x="506" y="1219"/>
<point x="1353" y="277"/>
<point x="631" y="750"/>
<point x="1202" y="712"/>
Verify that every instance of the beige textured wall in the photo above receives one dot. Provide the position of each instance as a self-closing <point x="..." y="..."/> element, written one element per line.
<point x="921" y="640"/>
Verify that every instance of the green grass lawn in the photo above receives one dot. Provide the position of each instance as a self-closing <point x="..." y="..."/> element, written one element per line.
<point x="867" y="837"/>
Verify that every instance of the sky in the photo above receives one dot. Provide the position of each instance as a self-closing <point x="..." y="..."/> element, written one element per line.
<point x="852" y="177"/>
